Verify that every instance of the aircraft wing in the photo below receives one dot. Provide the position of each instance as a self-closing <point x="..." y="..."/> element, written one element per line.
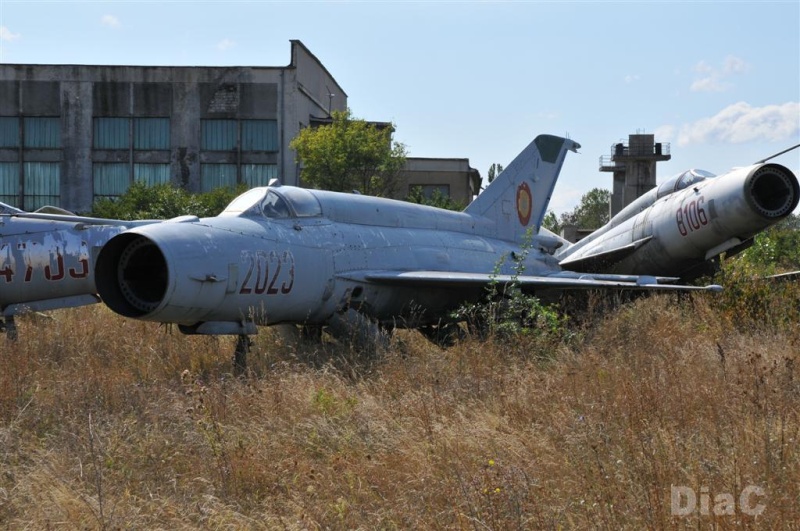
<point x="603" y="259"/>
<point x="8" y="209"/>
<point x="557" y="280"/>
<point x="47" y="216"/>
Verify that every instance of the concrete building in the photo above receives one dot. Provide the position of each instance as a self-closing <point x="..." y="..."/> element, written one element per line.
<point x="72" y="133"/>
<point x="634" y="168"/>
<point x="453" y="178"/>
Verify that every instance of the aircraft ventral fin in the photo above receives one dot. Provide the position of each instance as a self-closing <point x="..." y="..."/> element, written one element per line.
<point x="558" y="280"/>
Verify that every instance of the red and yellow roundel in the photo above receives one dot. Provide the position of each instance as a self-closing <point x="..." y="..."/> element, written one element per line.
<point x="524" y="203"/>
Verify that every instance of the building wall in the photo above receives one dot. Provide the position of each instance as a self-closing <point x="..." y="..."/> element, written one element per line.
<point x="91" y="106"/>
<point x="453" y="177"/>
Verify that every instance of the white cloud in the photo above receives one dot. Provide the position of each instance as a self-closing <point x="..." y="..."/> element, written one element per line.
<point x="630" y="78"/>
<point x="734" y="65"/>
<point x="665" y="133"/>
<point x="709" y="84"/>
<point x="110" y="21"/>
<point x="6" y="35"/>
<point x="713" y="79"/>
<point x="741" y="122"/>
<point x="225" y="44"/>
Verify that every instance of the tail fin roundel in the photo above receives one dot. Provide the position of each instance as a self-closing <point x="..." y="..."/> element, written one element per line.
<point x="518" y="198"/>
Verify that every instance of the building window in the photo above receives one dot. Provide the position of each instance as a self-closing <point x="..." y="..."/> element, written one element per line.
<point x="111" y="133"/>
<point x="9" y="183"/>
<point x="260" y="135"/>
<point x="42" y="132"/>
<point x="9" y="132"/>
<point x="115" y="133"/>
<point x="41" y="184"/>
<point x="151" y="174"/>
<point x="224" y="135"/>
<point x="213" y="176"/>
<point x="219" y="135"/>
<point x="258" y="174"/>
<point x="110" y="179"/>
<point x="151" y="133"/>
<point x="39" y="132"/>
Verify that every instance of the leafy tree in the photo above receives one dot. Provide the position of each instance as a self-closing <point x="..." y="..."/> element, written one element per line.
<point x="550" y="222"/>
<point x="778" y="247"/>
<point x="350" y="154"/>
<point x="494" y="171"/>
<point x="437" y="199"/>
<point x="163" y="201"/>
<point x="591" y="213"/>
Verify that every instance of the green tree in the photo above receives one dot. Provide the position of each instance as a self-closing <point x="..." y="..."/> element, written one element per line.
<point x="591" y="213"/>
<point x="350" y="154"/>
<point x="436" y="199"/>
<point x="778" y="247"/>
<point x="163" y="201"/>
<point x="494" y="171"/>
<point x="550" y="222"/>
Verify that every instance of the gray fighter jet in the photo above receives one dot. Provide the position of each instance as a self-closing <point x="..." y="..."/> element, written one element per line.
<point x="681" y="227"/>
<point x="281" y="254"/>
<point x="47" y="259"/>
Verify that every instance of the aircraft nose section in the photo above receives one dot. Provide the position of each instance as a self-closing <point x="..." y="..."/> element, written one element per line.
<point x="772" y="191"/>
<point x="142" y="274"/>
<point x="132" y="275"/>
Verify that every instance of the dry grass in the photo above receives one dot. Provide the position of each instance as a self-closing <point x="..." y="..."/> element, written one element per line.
<point x="107" y="423"/>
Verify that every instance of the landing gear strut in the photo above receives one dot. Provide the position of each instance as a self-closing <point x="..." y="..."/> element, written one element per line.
<point x="243" y="343"/>
<point x="10" y="328"/>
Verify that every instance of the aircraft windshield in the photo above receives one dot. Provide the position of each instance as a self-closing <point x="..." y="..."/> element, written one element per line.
<point x="683" y="180"/>
<point x="284" y="202"/>
<point x="244" y="203"/>
<point x="303" y="202"/>
<point x="274" y="206"/>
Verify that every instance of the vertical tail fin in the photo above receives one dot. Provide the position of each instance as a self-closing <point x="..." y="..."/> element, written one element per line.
<point x="518" y="198"/>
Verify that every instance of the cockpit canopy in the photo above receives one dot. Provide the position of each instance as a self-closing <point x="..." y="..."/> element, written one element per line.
<point x="683" y="180"/>
<point x="275" y="203"/>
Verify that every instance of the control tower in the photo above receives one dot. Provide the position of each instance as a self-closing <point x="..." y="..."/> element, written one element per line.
<point x="634" y="168"/>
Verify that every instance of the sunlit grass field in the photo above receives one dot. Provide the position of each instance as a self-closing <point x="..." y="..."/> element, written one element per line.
<point x="108" y="423"/>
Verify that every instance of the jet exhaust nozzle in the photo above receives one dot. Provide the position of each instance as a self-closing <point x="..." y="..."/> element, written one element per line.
<point x="772" y="191"/>
<point x="131" y="275"/>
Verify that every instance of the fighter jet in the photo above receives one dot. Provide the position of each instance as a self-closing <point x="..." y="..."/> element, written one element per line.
<point x="47" y="260"/>
<point x="681" y="227"/>
<point x="281" y="254"/>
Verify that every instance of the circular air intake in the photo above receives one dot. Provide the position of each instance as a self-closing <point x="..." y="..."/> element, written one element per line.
<point x="772" y="191"/>
<point x="141" y="275"/>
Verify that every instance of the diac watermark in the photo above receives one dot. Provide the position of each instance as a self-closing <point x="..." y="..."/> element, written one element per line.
<point x="684" y="501"/>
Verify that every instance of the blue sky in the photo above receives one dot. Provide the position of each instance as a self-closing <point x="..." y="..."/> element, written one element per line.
<point x="719" y="81"/>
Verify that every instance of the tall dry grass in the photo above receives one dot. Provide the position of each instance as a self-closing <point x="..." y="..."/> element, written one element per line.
<point x="108" y="423"/>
